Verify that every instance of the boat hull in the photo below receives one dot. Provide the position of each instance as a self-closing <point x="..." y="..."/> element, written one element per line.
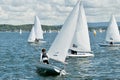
<point x="40" y="41"/>
<point x="48" y="70"/>
<point x="108" y="45"/>
<point x="82" y="55"/>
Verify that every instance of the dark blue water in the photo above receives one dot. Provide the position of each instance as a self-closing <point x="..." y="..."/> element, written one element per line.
<point x="18" y="59"/>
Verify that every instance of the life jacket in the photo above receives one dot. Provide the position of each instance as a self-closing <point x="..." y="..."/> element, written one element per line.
<point x="44" y="57"/>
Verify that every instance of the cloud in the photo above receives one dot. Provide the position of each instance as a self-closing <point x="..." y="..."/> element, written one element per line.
<point x="55" y="11"/>
<point x="3" y="14"/>
<point x="16" y="8"/>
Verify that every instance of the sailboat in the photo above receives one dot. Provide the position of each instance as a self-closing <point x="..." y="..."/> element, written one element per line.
<point x="80" y="46"/>
<point x="94" y="32"/>
<point x="60" y="46"/>
<point x="100" y="30"/>
<point x="20" y="31"/>
<point x="36" y="34"/>
<point x="112" y="34"/>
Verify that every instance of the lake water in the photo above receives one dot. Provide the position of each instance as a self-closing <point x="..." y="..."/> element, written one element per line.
<point x="18" y="59"/>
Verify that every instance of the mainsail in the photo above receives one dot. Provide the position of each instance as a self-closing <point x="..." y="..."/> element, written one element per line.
<point x="81" y="41"/>
<point x="59" y="48"/>
<point x="38" y="28"/>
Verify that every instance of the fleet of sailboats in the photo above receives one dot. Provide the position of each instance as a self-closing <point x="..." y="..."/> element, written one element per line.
<point x="112" y="34"/>
<point x="36" y="34"/>
<point x="71" y="34"/>
<point x="72" y="40"/>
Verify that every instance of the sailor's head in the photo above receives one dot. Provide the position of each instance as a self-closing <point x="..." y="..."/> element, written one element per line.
<point x="43" y="50"/>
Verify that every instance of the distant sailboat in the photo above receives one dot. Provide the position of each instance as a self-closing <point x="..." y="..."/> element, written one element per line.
<point x="94" y="32"/>
<point x="20" y="31"/>
<point x="112" y="34"/>
<point x="80" y="46"/>
<point x="60" y="47"/>
<point x="36" y="34"/>
<point x="100" y="30"/>
<point x="50" y="31"/>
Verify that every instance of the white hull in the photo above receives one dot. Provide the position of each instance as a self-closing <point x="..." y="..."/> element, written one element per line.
<point x="40" y="41"/>
<point x="109" y="45"/>
<point x="81" y="55"/>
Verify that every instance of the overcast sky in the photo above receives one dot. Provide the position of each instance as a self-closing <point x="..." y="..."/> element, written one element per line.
<point x="54" y="12"/>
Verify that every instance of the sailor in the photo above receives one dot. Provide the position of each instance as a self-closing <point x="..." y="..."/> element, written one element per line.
<point x="44" y="56"/>
<point x="36" y="40"/>
<point x="73" y="51"/>
<point x="111" y="43"/>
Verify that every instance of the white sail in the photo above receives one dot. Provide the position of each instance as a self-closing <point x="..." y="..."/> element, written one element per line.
<point x="38" y="28"/>
<point x="31" y="37"/>
<point x="112" y="33"/>
<point x="100" y="30"/>
<point x="59" y="48"/>
<point x="81" y="41"/>
<point x="20" y="31"/>
<point x="94" y="32"/>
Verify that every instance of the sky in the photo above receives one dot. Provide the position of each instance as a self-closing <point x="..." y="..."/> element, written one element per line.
<point x="55" y="12"/>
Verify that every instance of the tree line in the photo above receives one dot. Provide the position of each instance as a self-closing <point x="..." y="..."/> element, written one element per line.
<point x="28" y="27"/>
